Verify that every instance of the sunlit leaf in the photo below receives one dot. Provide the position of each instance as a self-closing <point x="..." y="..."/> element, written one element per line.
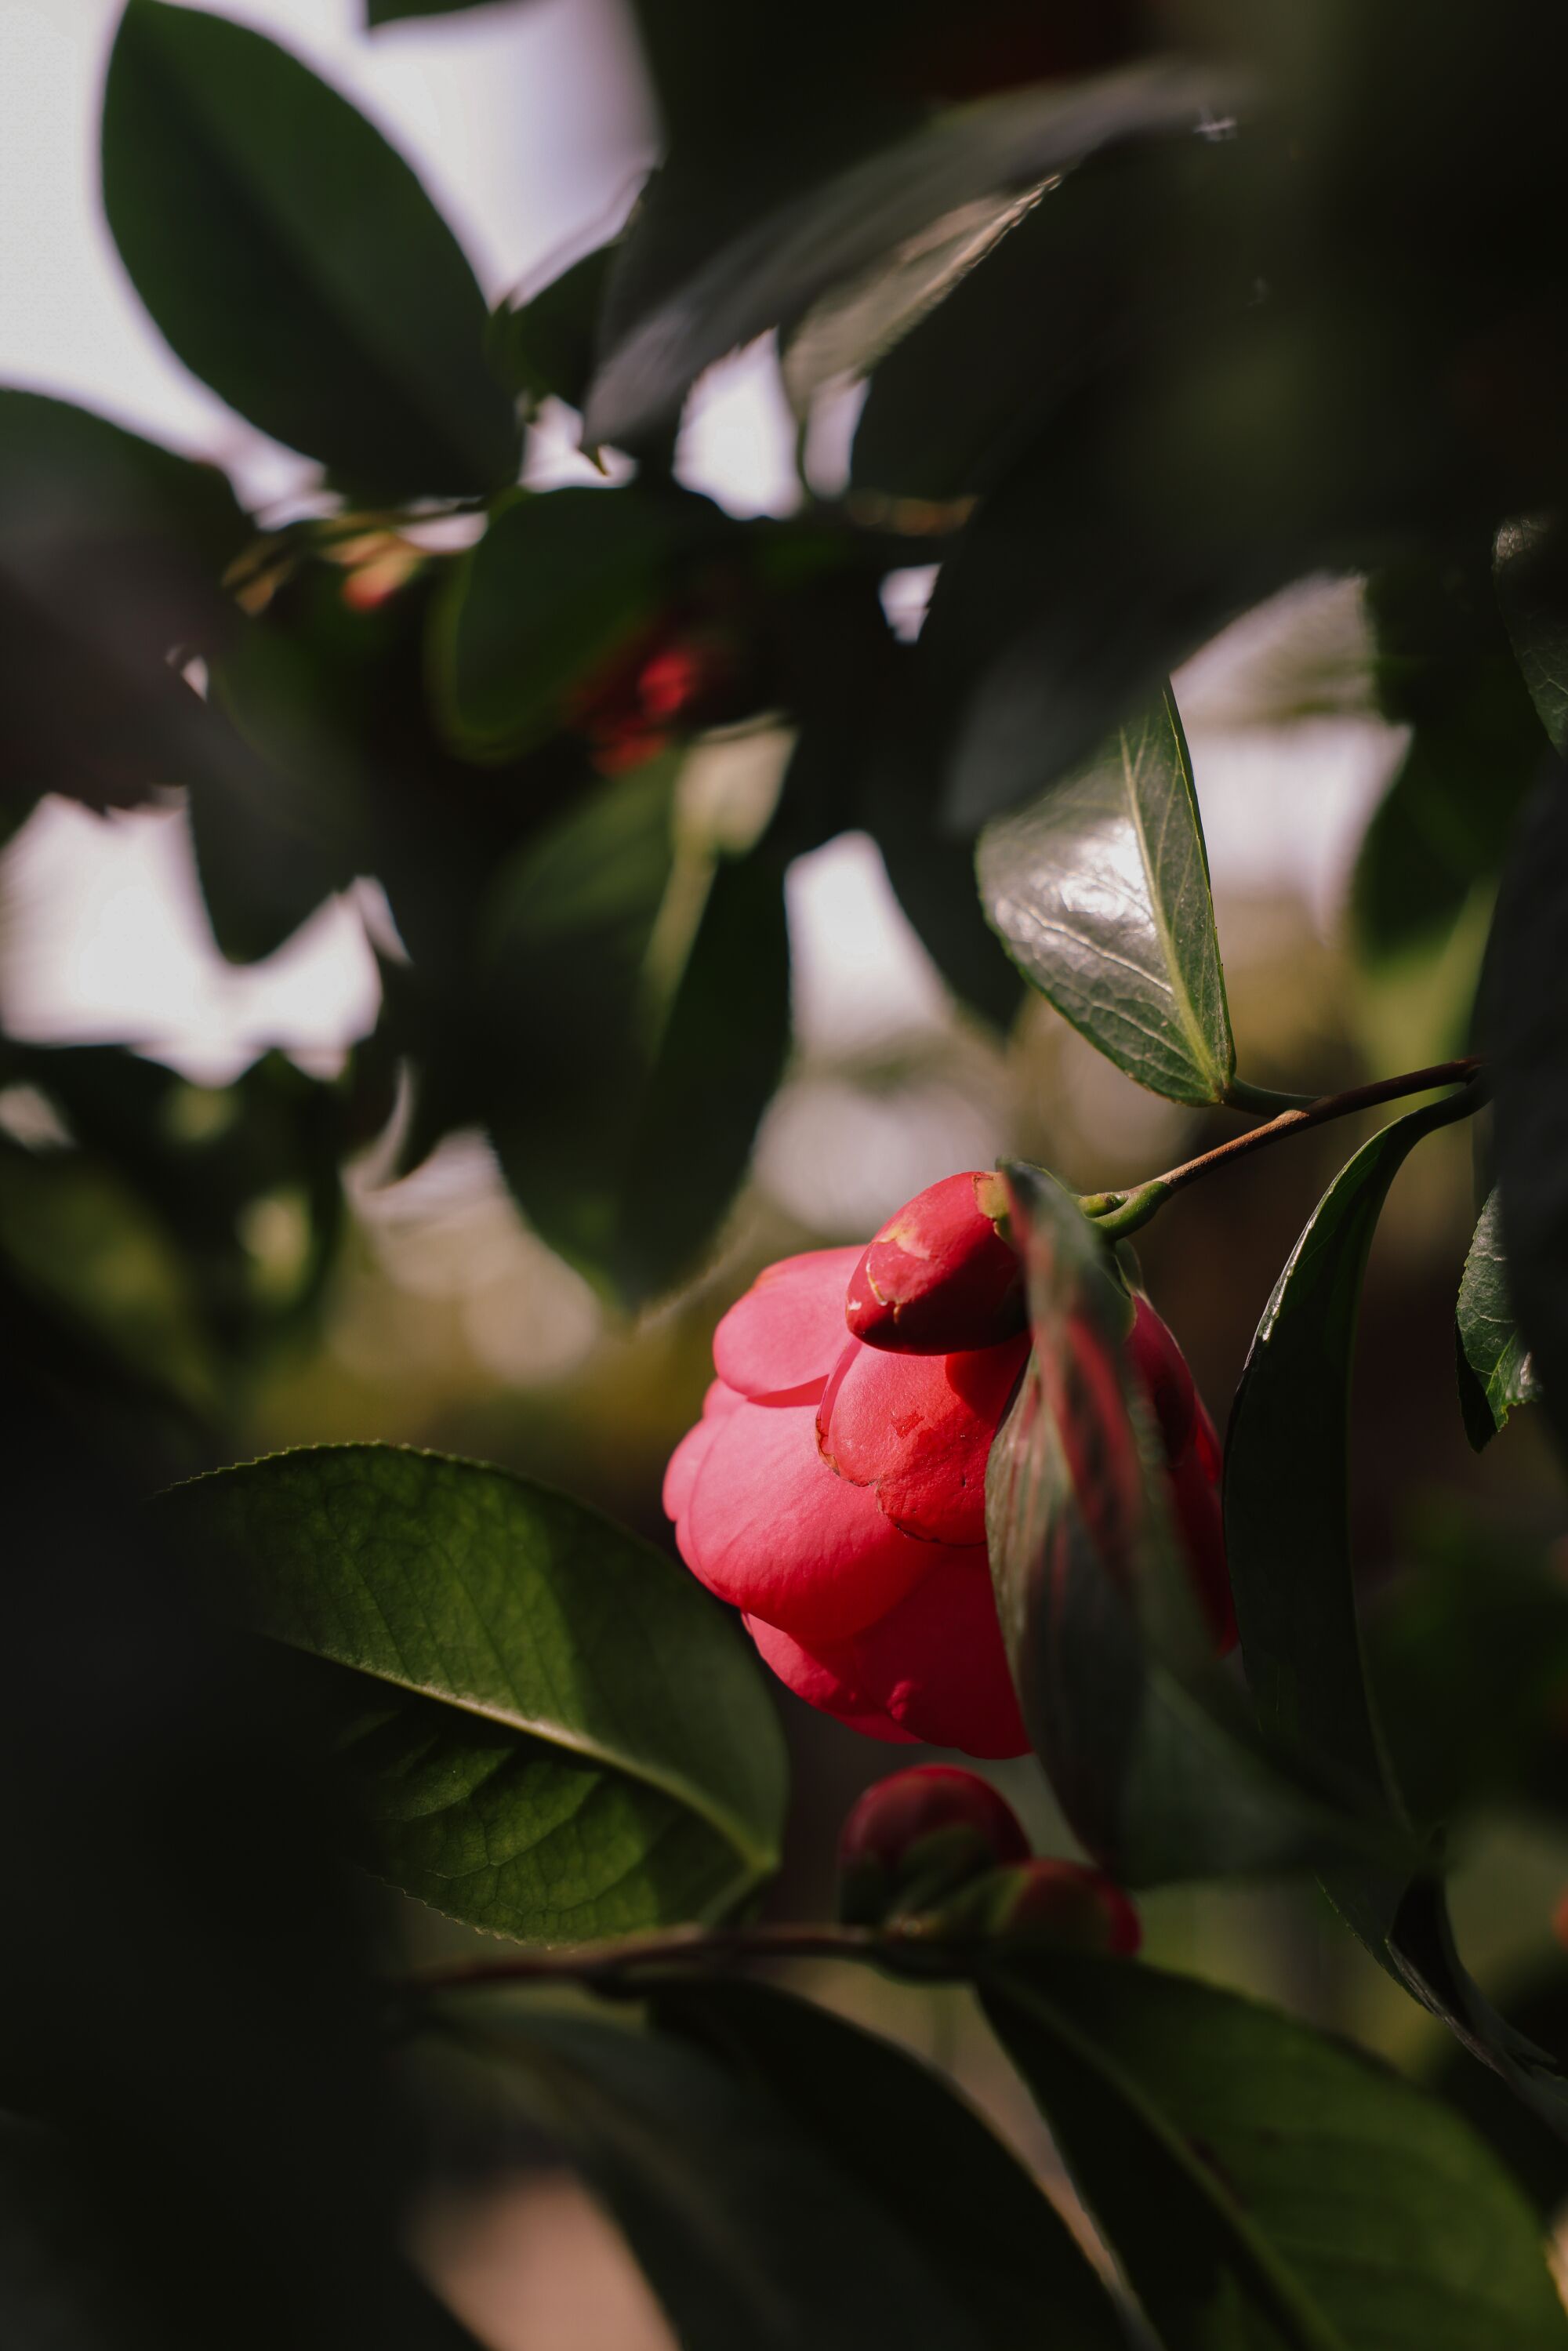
<point x="507" y="1685"/>
<point x="1099" y="893"/>
<point x="1496" y="1372"/>
<point x="1259" y="2182"/>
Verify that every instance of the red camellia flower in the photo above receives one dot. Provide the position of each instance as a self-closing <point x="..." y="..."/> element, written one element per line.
<point x="834" y="1489"/>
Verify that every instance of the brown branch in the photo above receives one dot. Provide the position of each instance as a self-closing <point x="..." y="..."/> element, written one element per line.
<point x="609" y="1963"/>
<point x="1318" y="1114"/>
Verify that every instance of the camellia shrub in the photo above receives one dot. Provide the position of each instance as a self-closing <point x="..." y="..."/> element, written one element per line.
<point x="1154" y="310"/>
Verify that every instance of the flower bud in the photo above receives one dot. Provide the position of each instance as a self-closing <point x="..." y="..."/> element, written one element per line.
<point x="942" y="1276"/>
<point x="912" y="1840"/>
<point x="1064" y="1905"/>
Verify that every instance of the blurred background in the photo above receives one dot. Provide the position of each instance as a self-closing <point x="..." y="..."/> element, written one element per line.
<point x="445" y="1323"/>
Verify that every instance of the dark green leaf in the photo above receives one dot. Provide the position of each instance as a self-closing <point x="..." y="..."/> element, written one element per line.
<point x="1444" y="668"/>
<point x="998" y="2247"/>
<point x="394" y="11"/>
<point x="1495" y="1369"/>
<point x="1263" y="2184"/>
<point x="753" y="2223"/>
<point x="1105" y="260"/>
<point x="777" y="268"/>
<point x="1099" y="893"/>
<point x="75" y="490"/>
<point x="1150" y="1757"/>
<point x="544" y="348"/>
<point x="1525" y="1019"/>
<point x="1286" y="1518"/>
<point x="294" y="261"/>
<point x="1533" y="2152"/>
<point x="513" y="1703"/>
<point x="1534" y="594"/>
<point x="556" y="587"/>
<point x="1468" y="1650"/>
<point x="624" y="1114"/>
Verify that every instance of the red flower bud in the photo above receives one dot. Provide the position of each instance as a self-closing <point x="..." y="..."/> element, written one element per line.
<point x="941" y="1277"/>
<point x="913" y="1839"/>
<point x="1064" y="1904"/>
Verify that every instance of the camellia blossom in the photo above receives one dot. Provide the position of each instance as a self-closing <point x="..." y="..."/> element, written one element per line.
<point x="834" y="1491"/>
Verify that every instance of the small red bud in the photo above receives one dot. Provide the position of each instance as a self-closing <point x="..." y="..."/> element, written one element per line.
<point x="912" y="1840"/>
<point x="942" y="1276"/>
<point x="1064" y="1904"/>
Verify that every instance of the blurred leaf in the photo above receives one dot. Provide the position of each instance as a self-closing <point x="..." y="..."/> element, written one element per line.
<point x="623" y="1108"/>
<point x="1534" y="594"/>
<point x="1525" y="1021"/>
<point x="1468" y="1652"/>
<point x="1535" y="2155"/>
<point x="1496" y="1372"/>
<point x="1259" y="2182"/>
<point x="558" y="584"/>
<point x="512" y="1709"/>
<point x="1152" y="1759"/>
<point x="775" y="270"/>
<point x="544" y="348"/>
<point x="1426" y="1959"/>
<point x="294" y="261"/>
<point x="231" y="2153"/>
<point x="1124" y="247"/>
<point x="752" y="2222"/>
<point x="394" y="11"/>
<point x="1131" y="955"/>
<point x="997" y="2246"/>
<point x="1444" y="668"/>
<point x="76" y="492"/>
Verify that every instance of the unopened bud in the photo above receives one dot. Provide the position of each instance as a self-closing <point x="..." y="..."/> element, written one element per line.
<point x="912" y="1840"/>
<point x="1064" y="1905"/>
<point x="942" y="1276"/>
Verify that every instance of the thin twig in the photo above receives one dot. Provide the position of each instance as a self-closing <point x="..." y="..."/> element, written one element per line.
<point x="682" y="1947"/>
<point x="1118" y="1213"/>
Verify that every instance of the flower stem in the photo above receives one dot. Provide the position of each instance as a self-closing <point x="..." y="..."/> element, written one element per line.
<point x="1119" y="1213"/>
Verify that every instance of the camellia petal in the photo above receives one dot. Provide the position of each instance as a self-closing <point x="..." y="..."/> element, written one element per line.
<point x="771" y="1529"/>
<point x="692" y="1451"/>
<point x="918" y="1428"/>
<point x="1200" y="1521"/>
<point x="942" y="1274"/>
<point x="821" y="1680"/>
<point x="937" y="1665"/>
<point x="787" y="1332"/>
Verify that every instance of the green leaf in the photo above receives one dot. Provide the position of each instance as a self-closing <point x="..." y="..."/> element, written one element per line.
<point x="998" y="2247"/>
<point x="1287" y="1478"/>
<point x="777" y="268"/>
<point x="1263" y="2184"/>
<point x="1445" y="669"/>
<point x="294" y="261"/>
<point x="1099" y="893"/>
<point x="1152" y="1760"/>
<point x="394" y="11"/>
<point x="545" y="348"/>
<point x="623" y="1117"/>
<point x="74" y="486"/>
<point x="544" y="1728"/>
<point x="1496" y="1372"/>
<point x="758" y="2209"/>
<point x="557" y="586"/>
<point x="1525" y="1026"/>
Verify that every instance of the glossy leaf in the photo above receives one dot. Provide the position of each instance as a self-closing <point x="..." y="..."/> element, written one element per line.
<point x="788" y="260"/>
<point x="1496" y="1372"/>
<point x="758" y="2216"/>
<point x="1287" y="1478"/>
<point x="1152" y="1760"/>
<point x="1259" y="2182"/>
<point x="294" y="261"/>
<point x="1525" y="999"/>
<point x="558" y="584"/>
<point x="511" y="1694"/>
<point x="1099" y="893"/>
